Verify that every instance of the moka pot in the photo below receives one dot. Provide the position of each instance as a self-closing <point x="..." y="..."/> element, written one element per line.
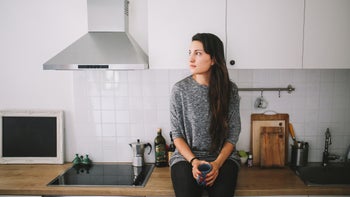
<point x="138" y="152"/>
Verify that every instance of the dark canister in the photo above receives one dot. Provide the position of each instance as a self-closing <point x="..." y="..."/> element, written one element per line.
<point x="300" y="152"/>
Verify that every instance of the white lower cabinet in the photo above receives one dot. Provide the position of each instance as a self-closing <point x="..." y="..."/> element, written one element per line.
<point x="329" y="196"/>
<point x="91" y="196"/>
<point x="17" y="196"/>
<point x="277" y="196"/>
<point x="236" y="196"/>
<point x="291" y="196"/>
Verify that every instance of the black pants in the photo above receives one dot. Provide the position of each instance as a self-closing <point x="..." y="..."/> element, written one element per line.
<point x="186" y="186"/>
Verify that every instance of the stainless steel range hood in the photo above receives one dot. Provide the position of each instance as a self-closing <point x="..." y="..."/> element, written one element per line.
<point x="107" y="45"/>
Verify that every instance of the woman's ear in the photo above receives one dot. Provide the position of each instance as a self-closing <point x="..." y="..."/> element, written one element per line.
<point x="213" y="61"/>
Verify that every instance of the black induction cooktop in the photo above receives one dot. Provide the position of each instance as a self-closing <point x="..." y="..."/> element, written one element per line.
<point x="104" y="175"/>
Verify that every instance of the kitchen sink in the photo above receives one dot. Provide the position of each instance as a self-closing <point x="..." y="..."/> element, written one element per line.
<point x="334" y="174"/>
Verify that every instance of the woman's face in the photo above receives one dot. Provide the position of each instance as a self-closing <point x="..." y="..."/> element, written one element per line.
<point x="199" y="61"/>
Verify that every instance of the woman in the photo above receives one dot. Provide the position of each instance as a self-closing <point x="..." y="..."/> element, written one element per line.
<point x="205" y="122"/>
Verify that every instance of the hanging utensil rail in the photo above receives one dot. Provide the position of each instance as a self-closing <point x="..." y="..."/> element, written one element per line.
<point x="289" y="89"/>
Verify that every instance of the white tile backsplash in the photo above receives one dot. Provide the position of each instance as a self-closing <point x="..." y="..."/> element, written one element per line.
<point x="107" y="116"/>
<point x="122" y="116"/>
<point x="115" y="108"/>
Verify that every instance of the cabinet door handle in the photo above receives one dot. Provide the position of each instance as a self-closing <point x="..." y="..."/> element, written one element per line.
<point x="232" y="62"/>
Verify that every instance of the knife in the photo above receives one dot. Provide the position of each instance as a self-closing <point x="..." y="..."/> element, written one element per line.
<point x="291" y="131"/>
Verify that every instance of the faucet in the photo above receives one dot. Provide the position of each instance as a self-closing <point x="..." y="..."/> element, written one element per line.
<point x="326" y="155"/>
<point x="347" y="156"/>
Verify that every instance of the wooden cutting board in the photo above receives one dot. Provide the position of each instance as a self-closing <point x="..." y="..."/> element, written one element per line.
<point x="272" y="147"/>
<point x="267" y="120"/>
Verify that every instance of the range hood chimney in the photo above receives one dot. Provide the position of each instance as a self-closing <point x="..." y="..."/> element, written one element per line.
<point x="107" y="45"/>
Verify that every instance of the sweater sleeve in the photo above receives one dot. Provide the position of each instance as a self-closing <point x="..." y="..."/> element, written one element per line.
<point x="234" y="116"/>
<point x="176" y="113"/>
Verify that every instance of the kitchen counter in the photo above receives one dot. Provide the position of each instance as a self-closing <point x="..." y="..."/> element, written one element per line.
<point x="32" y="180"/>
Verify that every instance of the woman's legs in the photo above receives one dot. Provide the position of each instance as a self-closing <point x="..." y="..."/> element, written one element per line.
<point x="186" y="186"/>
<point x="225" y="183"/>
<point x="183" y="182"/>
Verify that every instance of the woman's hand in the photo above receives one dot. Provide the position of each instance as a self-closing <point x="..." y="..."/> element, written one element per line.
<point x="219" y="161"/>
<point x="195" y="164"/>
<point x="213" y="174"/>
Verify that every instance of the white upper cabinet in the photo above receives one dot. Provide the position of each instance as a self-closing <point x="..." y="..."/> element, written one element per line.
<point x="260" y="33"/>
<point x="327" y="34"/>
<point x="265" y="33"/>
<point x="171" y="25"/>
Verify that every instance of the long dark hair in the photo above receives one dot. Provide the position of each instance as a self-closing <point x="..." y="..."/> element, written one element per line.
<point x="219" y="89"/>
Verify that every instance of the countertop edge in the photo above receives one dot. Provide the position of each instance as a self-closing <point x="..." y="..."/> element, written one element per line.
<point x="251" y="182"/>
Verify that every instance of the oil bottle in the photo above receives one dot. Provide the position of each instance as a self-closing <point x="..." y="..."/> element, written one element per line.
<point x="161" y="159"/>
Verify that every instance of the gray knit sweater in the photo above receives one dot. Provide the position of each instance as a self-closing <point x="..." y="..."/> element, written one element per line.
<point x="190" y="119"/>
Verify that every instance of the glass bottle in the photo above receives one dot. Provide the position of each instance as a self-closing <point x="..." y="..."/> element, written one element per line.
<point x="171" y="147"/>
<point x="77" y="160"/>
<point x="160" y="150"/>
<point x="86" y="160"/>
<point x="250" y="160"/>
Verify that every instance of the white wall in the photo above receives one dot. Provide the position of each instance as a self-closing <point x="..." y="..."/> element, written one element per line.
<point x="31" y="33"/>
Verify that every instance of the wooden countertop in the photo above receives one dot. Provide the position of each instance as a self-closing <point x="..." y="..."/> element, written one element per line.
<point x="32" y="180"/>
